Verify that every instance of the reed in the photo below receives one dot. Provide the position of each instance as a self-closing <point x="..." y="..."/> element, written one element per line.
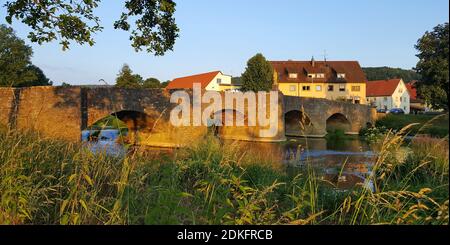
<point x="213" y="182"/>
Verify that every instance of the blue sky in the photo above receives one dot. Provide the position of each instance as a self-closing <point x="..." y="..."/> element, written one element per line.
<point x="224" y="34"/>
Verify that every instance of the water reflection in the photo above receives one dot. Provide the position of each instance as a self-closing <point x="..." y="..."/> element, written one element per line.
<point x="343" y="163"/>
<point x="103" y="141"/>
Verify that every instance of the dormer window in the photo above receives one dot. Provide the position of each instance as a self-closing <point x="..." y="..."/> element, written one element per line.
<point x="341" y="75"/>
<point x="316" y="75"/>
<point x="293" y="75"/>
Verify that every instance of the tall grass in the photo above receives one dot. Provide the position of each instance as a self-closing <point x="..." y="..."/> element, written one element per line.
<point x="54" y="182"/>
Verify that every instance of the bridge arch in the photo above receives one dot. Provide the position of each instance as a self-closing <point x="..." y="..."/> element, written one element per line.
<point x="297" y="123"/>
<point x="136" y="122"/>
<point x="338" y="121"/>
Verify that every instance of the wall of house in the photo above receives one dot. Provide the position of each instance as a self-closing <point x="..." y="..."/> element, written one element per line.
<point x="381" y="102"/>
<point x="349" y="93"/>
<point x="285" y="89"/>
<point x="227" y="87"/>
<point x="296" y="89"/>
<point x="215" y="86"/>
<point x="401" y="97"/>
<point x="316" y="90"/>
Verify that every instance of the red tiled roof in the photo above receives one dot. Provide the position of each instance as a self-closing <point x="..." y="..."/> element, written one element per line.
<point x="352" y="69"/>
<point x="412" y="90"/>
<point x="187" y="82"/>
<point x="381" y="87"/>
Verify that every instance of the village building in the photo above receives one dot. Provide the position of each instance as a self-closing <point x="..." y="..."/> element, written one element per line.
<point x="417" y="104"/>
<point x="210" y="81"/>
<point x="388" y="94"/>
<point x="333" y="80"/>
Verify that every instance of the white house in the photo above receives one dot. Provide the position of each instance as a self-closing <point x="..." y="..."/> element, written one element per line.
<point x="212" y="81"/>
<point x="388" y="94"/>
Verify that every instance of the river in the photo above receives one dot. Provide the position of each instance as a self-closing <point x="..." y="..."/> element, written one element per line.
<point x="341" y="162"/>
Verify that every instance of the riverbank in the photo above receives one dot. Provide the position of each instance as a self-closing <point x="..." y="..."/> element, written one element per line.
<point x="53" y="182"/>
<point x="433" y="125"/>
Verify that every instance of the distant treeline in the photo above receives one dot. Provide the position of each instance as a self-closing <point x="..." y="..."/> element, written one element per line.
<point x="381" y="73"/>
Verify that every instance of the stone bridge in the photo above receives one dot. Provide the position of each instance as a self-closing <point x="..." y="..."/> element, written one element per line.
<point x="63" y="112"/>
<point x="317" y="117"/>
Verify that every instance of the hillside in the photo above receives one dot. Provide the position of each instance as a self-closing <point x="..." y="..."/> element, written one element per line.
<point x="381" y="73"/>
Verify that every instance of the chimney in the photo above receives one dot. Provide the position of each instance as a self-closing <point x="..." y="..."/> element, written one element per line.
<point x="313" y="62"/>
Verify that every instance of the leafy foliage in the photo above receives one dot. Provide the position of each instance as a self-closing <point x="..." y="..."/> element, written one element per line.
<point x="151" y="83"/>
<point x="156" y="29"/>
<point x="373" y="134"/>
<point x="67" y="20"/>
<point x="433" y="66"/>
<point x="382" y="73"/>
<point x="126" y="78"/>
<point x="258" y="75"/>
<point x="41" y="79"/>
<point x="16" y="69"/>
<point x="164" y="84"/>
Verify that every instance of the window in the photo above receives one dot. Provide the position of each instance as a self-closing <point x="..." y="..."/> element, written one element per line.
<point x="341" y="75"/>
<point x="219" y="80"/>
<point x="385" y="98"/>
<point x="292" y="88"/>
<point x="305" y="88"/>
<point x="311" y="75"/>
<point x="342" y="88"/>
<point x="400" y="91"/>
<point x="320" y="75"/>
<point x="318" y="87"/>
<point x="293" y="75"/>
<point x="356" y="88"/>
<point x="401" y="99"/>
<point x="330" y="88"/>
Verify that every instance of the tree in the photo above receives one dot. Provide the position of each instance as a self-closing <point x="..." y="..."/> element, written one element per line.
<point x="151" y="83"/>
<point x="258" y="75"/>
<point x="433" y="66"/>
<point x="164" y="84"/>
<point x="66" y="85"/>
<point x="41" y="79"/>
<point x="126" y="78"/>
<point x="381" y="73"/>
<point x="16" y="69"/>
<point x="15" y="58"/>
<point x="154" y="27"/>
